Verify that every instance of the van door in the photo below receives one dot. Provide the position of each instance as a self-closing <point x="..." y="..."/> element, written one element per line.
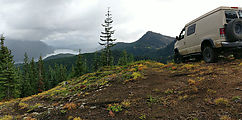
<point x="182" y="43"/>
<point x="191" y="39"/>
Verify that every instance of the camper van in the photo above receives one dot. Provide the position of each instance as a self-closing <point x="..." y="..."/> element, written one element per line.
<point x="218" y="32"/>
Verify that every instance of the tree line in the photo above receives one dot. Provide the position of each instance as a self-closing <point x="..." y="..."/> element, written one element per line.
<point x="32" y="78"/>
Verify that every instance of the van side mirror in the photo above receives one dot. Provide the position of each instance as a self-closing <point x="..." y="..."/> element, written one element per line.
<point x="177" y="38"/>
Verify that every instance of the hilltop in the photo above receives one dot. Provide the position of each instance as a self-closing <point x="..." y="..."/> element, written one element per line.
<point x="141" y="90"/>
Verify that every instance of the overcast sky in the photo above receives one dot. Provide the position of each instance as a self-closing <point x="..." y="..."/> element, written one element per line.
<point x="77" y="23"/>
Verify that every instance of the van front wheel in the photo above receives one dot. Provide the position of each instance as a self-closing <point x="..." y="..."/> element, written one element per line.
<point x="178" y="58"/>
<point x="209" y="54"/>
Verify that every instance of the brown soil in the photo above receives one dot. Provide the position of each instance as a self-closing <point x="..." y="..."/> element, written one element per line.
<point x="163" y="93"/>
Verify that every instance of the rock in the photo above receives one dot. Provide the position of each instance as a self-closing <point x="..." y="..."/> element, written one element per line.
<point x="84" y="103"/>
<point x="81" y="100"/>
<point x="35" y="113"/>
<point x="93" y="107"/>
<point x="49" y="110"/>
<point x="82" y="106"/>
<point x="70" y="99"/>
<point x="65" y="83"/>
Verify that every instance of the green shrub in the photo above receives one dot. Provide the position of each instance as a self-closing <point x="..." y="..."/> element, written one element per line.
<point x="115" y="107"/>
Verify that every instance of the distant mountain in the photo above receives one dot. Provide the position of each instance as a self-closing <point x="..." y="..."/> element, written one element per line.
<point x="32" y="48"/>
<point x="153" y="46"/>
<point x="147" y="45"/>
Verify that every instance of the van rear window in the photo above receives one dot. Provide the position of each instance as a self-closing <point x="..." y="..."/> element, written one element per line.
<point x="230" y="15"/>
<point x="240" y="14"/>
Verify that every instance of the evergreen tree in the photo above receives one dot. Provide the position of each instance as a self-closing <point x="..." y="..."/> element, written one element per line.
<point x="26" y="88"/>
<point x="56" y="74"/>
<point x="9" y="81"/>
<point x="41" y="77"/>
<point x="103" y="60"/>
<point x="72" y="73"/>
<point x="130" y="58"/>
<point x="33" y="76"/>
<point x="50" y="76"/>
<point x="123" y="60"/>
<point x="107" y="40"/>
<point x="80" y="67"/>
<point x="63" y="73"/>
<point x="96" y="62"/>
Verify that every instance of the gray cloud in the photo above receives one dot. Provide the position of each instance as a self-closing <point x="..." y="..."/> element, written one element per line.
<point x="77" y="23"/>
<point x="60" y="23"/>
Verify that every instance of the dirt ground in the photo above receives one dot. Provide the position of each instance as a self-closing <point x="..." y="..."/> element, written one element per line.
<point x="193" y="91"/>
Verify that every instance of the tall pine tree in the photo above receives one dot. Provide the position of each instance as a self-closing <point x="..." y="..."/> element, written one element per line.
<point x="80" y="66"/>
<point x="123" y="60"/>
<point x="9" y="81"/>
<point x="27" y="89"/>
<point x="106" y="39"/>
<point x="96" y="62"/>
<point x="41" y="76"/>
<point x="33" y="76"/>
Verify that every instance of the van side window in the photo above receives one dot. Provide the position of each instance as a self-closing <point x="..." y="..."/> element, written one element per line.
<point x="191" y="29"/>
<point x="230" y="15"/>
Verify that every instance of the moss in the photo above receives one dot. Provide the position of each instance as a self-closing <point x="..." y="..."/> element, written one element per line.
<point x="221" y="101"/>
<point x="23" y="105"/>
<point x="136" y="75"/>
<point x="7" y="117"/>
<point x="37" y="105"/>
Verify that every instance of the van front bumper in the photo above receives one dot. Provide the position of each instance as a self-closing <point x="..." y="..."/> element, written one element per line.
<point x="237" y="44"/>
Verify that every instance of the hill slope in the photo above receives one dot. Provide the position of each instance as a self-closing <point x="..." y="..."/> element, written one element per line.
<point x="142" y="90"/>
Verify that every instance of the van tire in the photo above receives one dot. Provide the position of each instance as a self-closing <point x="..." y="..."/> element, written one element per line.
<point x="178" y="58"/>
<point x="209" y="54"/>
<point x="234" y="30"/>
<point x="237" y="55"/>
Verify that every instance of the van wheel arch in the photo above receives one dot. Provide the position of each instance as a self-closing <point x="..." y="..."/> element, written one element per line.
<point x="207" y="42"/>
<point x="208" y="51"/>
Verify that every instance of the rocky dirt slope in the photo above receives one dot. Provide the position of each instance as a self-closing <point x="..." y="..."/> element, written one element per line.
<point x="141" y="90"/>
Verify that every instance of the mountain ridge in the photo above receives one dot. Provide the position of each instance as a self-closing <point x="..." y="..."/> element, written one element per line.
<point x="146" y="45"/>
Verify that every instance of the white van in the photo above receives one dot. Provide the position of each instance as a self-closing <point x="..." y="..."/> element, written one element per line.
<point x="216" y="32"/>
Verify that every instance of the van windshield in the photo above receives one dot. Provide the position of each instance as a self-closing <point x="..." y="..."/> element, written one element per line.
<point x="230" y="15"/>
